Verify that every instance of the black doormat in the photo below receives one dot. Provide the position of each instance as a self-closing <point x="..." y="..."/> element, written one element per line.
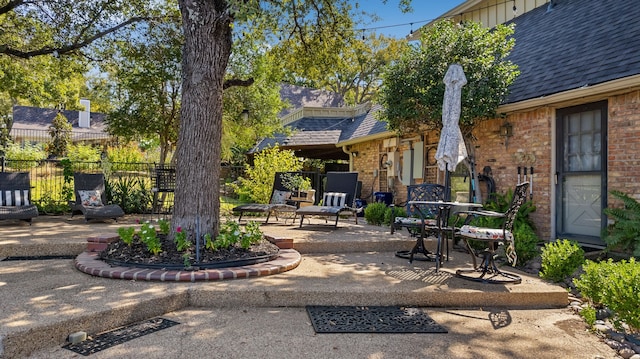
<point x="114" y="337"/>
<point x="356" y="319"/>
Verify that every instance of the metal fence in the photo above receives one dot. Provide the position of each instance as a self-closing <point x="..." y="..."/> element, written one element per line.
<point x="52" y="181"/>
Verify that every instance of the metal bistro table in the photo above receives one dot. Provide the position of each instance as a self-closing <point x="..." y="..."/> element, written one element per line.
<point x="442" y="225"/>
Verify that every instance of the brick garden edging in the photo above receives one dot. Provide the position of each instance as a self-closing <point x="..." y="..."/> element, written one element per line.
<point x="89" y="262"/>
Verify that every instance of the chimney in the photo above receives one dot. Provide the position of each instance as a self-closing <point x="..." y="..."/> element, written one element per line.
<point x="84" y="119"/>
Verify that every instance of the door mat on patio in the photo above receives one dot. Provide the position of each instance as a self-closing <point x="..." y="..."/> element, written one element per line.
<point x="377" y="319"/>
<point x="114" y="337"/>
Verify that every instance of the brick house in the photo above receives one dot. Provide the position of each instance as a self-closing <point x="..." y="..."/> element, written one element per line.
<point x="573" y="113"/>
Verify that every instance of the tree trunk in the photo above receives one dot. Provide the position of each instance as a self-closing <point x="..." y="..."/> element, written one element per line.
<point x="207" y="33"/>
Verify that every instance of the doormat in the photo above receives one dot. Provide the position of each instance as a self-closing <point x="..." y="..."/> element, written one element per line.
<point x="376" y="319"/>
<point x="114" y="337"/>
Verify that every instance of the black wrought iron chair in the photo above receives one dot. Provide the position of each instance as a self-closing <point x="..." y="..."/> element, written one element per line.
<point x="164" y="183"/>
<point x="91" y="199"/>
<point x="487" y="271"/>
<point x="15" y="197"/>
<point x="278" y="202"/>
<point x="338" y="198"/>
<point x="421" y="219"/>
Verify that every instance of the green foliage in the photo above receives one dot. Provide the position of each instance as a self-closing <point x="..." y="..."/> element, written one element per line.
<point x="180" y="238"/>
<point x="67" y="173"/>
<point x="295" y="182"/>
<point x="165" y="226"/>
<point x="231" y="233"/>
<point x="47" y="204"/>
<point x="397" y="212"/>
<point x="26" y="156"/>
<point x="126" y="234"/>
<point x="124" y="158"/>
<point x="560" y="259"/>
<point x="413" y="87"/>
<point x="131" y="193"/>
<point x="374" y="213"/>
<point x="624" y="233"/>
<point x="589" y="315"/>
<point x="60" y="132"/>
<point x="83" y="153"/>
<point x="149" y="237"/>
<point x="256" y="186"/>
<point x="526" y="243"/>
<point x="615" y="285"/>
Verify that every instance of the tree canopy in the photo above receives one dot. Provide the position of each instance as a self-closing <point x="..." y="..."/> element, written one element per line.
<point x="413" y="87"/>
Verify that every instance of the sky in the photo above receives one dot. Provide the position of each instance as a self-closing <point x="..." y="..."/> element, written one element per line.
<point x="396" y="24"/>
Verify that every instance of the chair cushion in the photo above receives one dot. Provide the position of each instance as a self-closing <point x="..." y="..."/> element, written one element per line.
<point x="334" y="199"/>
<point x="414" y="222"/>
<point x="496" y="234"/>
<point x="280" y="197"/>
<point x="90" y="198"/>
<point x="18" y="197"/>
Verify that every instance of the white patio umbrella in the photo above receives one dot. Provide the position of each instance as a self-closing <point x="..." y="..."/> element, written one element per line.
<point x="451" y="148"/>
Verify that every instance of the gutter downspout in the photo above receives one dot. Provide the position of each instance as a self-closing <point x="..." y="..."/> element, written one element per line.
<point x="347" y="150"/>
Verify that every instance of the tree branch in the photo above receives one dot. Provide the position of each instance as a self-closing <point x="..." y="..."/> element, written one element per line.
<point x="237" y="82"/>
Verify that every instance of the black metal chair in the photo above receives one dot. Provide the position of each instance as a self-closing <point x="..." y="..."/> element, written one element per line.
<point x="278" y="201"/>
<point x="164" y="182"/>
<point x="421" y="219"/>
<point x="15" y="197"/>
<point x="91" y="199"/>
<point x="487" y="271"/>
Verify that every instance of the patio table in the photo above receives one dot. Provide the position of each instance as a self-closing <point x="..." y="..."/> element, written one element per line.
<point x="442" y="224"/>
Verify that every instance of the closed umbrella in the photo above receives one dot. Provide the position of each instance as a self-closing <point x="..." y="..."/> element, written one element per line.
<point x="451" y="148"/>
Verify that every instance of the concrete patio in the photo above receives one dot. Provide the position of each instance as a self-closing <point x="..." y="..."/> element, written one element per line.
<point x="43" y="301"/>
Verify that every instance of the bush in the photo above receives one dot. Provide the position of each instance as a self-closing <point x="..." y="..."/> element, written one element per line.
<point x="526" y="242"/>
<point x="256" y="186"/>
<point x="375" y="212"/>
<point x="83" y="153"/>
<point x="616" y="286"/>
<point x="560" y="259"/>
<point x="26" y="157"/>
<point x="397" y="212"/>
<point x="120" y="157"/>
<point x="624" y="234"/>
<point x="131" y="193"/>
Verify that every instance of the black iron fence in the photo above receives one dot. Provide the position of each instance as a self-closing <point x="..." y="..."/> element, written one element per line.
<point x="129" y="184"/>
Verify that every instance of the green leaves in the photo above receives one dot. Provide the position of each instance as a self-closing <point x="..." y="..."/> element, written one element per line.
<point x="624" y="233"/>
<point x="560" y="259"/>
<point x="413" y="87"/>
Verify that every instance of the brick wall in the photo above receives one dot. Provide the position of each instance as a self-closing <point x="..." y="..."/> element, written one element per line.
<point x="531" y="146"/>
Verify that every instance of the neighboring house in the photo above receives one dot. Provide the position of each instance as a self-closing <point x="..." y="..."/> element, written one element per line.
<point x="574" y="115"/>
<point x="31" y="125"/>
<point x="316" y="119"/>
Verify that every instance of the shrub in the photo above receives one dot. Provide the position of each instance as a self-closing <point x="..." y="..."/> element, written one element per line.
<point x="397" y="212"/>
<point x="258" y="181"/>
<point x="526" y="242"/>
<point x="83" y="153"/>
<point x="375" y="212"/>
<point x="131" y="193"/>
<point x="624" y="234"/>
<point x="122" y="156"/>
<point x="616" y="286"/>
<point x="560" y="259"/>
<point x="26" y="157"/>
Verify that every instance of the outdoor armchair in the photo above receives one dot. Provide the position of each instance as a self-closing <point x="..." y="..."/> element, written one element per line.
<point x="91" y="199"/>
<point x="15" y="197"/>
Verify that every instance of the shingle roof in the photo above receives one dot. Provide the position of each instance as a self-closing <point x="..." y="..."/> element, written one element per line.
<point x="298" y="97"/>
<point x="578" y="43"/>
<point x="36" y="118"/>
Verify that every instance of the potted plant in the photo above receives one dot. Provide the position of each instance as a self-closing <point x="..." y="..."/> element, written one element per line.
<point x="296" y="183"/>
